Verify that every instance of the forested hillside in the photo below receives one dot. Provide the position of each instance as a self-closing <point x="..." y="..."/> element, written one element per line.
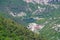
<point x="9" y="30"/>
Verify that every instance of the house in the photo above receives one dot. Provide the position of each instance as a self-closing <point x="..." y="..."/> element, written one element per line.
<point x="28" y="1"/>
<point x="14" y="15"/>
<point x="34" y="26"/>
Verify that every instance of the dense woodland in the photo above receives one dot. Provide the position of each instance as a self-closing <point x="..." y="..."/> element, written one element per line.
<point x="10" y="30"/>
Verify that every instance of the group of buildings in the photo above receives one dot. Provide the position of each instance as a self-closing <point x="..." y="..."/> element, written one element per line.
<point x="41" y="1"/>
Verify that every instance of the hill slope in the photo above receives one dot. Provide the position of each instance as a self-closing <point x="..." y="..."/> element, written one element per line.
<point x="10" y="30"/>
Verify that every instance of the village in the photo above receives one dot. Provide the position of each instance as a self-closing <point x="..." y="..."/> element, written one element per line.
<point x="41" y="1"/>
<point x="37" y="1"/>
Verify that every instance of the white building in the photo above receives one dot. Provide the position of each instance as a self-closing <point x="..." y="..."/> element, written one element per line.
<point x="21" y="14"/>
<point x="28" y="1"/>
<point x="34" y="26"/>
<point x="11" y="13"/>
<point x="37" y="18"/>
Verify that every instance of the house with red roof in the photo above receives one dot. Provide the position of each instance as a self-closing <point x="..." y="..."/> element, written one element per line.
<point x="34" y="26"/>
